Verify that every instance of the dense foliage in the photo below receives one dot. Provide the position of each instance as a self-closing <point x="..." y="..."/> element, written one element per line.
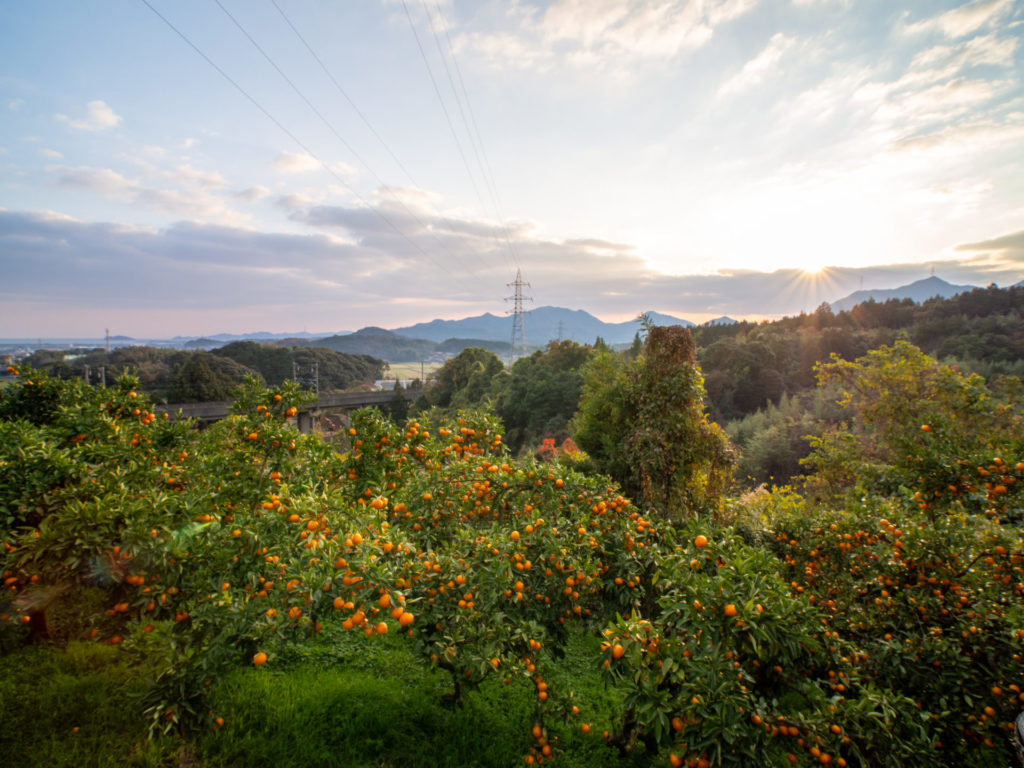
<point x="535" y="398"/>
<point x="882" y="623"/>
<point x="178" y="376"/>
<point x="643" y="423"/>
<point x="760" y="377"/>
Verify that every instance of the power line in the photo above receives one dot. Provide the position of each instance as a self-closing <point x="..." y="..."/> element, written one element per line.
<point x="345" y="95"/>
<point x="458" y="103"/>
<point x="444" y="109"/>
<point x="291" y="135"/>
<point x="485" y="165"/>
<point x="332" y="129"/>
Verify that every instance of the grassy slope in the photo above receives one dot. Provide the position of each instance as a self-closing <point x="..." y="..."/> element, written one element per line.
<point x="343" y="700"/>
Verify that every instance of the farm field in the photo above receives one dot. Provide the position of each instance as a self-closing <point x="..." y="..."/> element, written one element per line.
<point x="412" y="371"/>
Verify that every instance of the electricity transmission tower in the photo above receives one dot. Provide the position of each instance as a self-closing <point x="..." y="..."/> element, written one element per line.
<point x="517" y="299"/>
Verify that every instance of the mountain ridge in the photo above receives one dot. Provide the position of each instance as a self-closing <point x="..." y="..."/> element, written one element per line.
<point x="918" y="291"/>
<point x="541" y="325"/>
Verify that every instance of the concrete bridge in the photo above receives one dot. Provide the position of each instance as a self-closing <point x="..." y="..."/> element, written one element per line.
<point x="336" y="402"/>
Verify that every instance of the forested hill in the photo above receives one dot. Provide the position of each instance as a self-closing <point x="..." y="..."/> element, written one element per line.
<point x="178" y="376"/>
<point x="748" y="365"/>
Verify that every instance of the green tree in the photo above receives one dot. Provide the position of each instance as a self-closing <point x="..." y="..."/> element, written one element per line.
<point x="466" y="379"/>
<point x="541" y="393"/>
<point x="643" y="422"/>
<point x="195" y="381"/>
<point x="915" y="426"/>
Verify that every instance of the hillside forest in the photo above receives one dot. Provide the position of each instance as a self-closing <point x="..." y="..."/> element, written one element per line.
<point x="558" y="562"/>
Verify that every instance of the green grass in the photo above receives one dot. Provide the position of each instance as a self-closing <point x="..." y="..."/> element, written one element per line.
<point x="75" y="707"/>
<point x="340" y="700"/>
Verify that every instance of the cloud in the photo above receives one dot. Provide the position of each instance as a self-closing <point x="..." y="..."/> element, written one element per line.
<point x="292" y="162"/>
<point x="963" y="20"/>
<point x="190" y="193"/>
<point x="1010" y="247"/>
<point x="98" y="117"/>
<point x="50" y="153"/>
<point x="59" y="267"/>
<point x="15" y="104"/>
<point x="761" y="67"/>
<point x="252" y="194"/>
<point x="607" y="34"/>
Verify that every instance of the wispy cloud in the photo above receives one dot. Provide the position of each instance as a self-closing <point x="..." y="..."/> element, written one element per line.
<point x="1007" y="248"/>
<point x="962" y="20"/>
<point x="761" y="67"/>
<point x="608" y="34"/>
<point x="181" y="191"/>
<point x="296" y="162"/>
<point x="252" y="194"/>
<point x="98" y="117"/>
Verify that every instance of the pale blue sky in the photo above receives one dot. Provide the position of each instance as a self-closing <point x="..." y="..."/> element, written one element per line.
<point x="696" y="157"/>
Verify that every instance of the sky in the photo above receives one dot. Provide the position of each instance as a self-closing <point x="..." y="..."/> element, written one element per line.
<point x="190" y="167"/>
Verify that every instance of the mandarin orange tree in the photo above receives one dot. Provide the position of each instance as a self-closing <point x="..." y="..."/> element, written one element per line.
<point x="492" y="560"/>
<point x="736" y="668"/>
<point x="934" y="607"/>
<point x="73" y="462"/>
<point x="920" y="431"/>
<point x="218" y="547"/>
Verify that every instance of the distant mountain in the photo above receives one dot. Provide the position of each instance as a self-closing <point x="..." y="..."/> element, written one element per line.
<point x="258" y="336"/>
<point x="541" y="325"/>
<point x="721" y="321"/>
<point x="203" y="344"/>
<point x="380" y="343"/>
<point x="918" y="292"/>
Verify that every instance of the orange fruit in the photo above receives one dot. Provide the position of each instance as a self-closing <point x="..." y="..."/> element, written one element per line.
<point x="259" y="659"/>
<point x="701" y="541"/>
<point x="730" y="610"/>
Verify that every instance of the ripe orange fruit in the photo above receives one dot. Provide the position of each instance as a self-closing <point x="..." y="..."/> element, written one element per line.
<point x="406" y="619"/>
<point x="730" y="610"/>
<point x="926" y="428"/>
<point x="514" y="535"/>
<point x="259" y="659"/>
<point x="382" y="628"/>
<point x="617" y="651"/>
<point x="585" y="728"/>
<point x="701" y="541"/>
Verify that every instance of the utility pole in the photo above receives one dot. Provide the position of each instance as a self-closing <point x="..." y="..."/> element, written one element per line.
<point x="517" y="299"/>
<point x="108" y="341"/>
<point x="307" y="375"/>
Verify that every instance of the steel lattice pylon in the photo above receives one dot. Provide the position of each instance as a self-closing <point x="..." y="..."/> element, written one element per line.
<point x="517" y="299"/>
